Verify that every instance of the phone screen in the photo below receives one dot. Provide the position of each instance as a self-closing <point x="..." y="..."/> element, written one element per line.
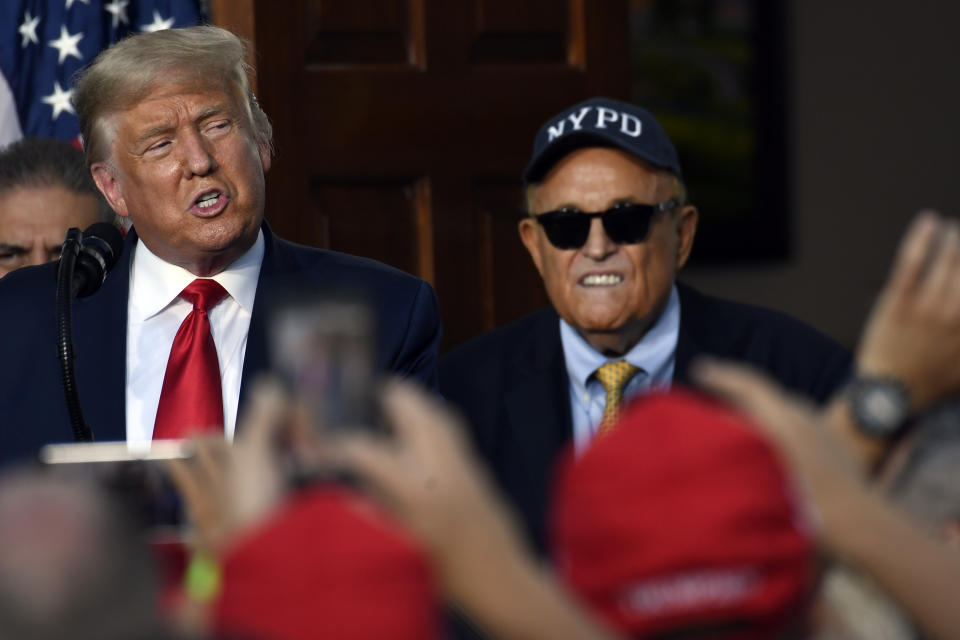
<point x="322" y="346"/>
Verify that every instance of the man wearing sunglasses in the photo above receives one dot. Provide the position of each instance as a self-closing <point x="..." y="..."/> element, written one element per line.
<point x="609" y="227"/>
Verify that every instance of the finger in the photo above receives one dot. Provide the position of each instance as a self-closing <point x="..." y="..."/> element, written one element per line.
<point x="184" y="479"/>
<point x="417" y="417"/>
<point x="407" y="414"/>
<point x="198" y="498"/>
<point x="746" y="389"/>
<point x="265" y="413"/>
<point x="372" y="460"/>
<point x="201" y="502"/>
<point x="302" y="430"/>
<point x="210" y="459"/>
<point x="733" y="381"/>
<point x="914" y="252"/>
<point x="942" y="275"/>
<point x="951" y="300"/>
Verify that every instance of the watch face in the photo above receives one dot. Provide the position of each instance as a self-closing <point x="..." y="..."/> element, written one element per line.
<point x="879" y="406"/>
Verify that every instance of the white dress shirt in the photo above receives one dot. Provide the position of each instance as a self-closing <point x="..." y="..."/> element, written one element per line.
<point x="654" y="355"/>
<point x="155" y="312"/>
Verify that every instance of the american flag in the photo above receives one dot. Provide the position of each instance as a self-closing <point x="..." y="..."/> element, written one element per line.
<point x="43" y="43"/>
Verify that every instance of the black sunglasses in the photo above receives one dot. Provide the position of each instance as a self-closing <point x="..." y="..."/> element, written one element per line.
<point x="624" y="223"/>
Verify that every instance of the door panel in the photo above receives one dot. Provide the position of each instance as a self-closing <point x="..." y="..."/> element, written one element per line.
<point x="402" y="128"/>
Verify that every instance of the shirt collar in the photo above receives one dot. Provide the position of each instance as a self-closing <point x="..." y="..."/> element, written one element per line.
<point x="654" y="352"/>
<point x="158" y="283"/>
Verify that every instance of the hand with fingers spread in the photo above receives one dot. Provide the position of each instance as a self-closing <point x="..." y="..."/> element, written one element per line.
<point x="917" y="570"/>
<point x="913" y="332"/>
<point x="793" y="426"/>
<point x="202" y="481"/>
<point x="228" y="488"/>
<point x="430" y="480"/>
<point x="426" y="475"/>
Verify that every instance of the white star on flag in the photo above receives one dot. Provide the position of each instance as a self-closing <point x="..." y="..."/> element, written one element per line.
<point x="59" y="100"/>
<point x="29" y="30"/>
<point x="48" y="41"/>
<point x="118" y="8"/>
<point x="158" y="24"/>
<point x="66" y="44"/>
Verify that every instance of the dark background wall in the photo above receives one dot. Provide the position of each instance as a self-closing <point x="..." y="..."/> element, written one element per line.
<point x="875" y="102"/>
<point x="403" y="126"/>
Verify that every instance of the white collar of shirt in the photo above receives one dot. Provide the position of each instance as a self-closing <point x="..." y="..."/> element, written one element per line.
<point x="653" y="355"/>
<point x="154" y="314"/>
<point x="154" y="283"/>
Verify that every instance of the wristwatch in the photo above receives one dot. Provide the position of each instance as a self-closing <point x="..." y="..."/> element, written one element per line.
<point x="879" y="406"/>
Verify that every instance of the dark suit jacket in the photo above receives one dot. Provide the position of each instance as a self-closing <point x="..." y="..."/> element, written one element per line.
<point x="32" y="407"/>
<point x="512" y="384"/>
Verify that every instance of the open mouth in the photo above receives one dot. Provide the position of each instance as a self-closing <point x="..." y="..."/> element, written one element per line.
<point x="210" y="202"/>
<point x="207" y="200"/>
<point x="601" y="280"/>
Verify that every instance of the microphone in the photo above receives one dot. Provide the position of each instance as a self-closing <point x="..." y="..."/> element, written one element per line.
<point x="101" y="246"/>
<point x="84" y="261"/>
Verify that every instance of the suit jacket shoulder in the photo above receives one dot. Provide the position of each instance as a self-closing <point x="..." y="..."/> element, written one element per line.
<point x="406" y="307"/>
<point x="32" y="407"/>
<point x="528" y="343"/>
<point x="798" y="356"/>
<point x="476" y="375"/>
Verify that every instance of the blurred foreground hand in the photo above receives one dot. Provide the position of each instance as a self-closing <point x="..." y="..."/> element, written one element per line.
<point x="855" y="523"/>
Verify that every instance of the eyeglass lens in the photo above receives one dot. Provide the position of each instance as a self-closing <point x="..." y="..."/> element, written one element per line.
<point x="624" y="224"/>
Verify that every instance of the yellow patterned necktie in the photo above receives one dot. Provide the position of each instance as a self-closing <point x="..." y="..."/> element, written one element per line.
<point x="614" y="377"/>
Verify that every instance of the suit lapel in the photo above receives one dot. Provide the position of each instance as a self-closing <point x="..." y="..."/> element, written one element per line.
<point x="100" y="346"/>
<point x="538" y="424"/>
<point x="277" y="261"/>
<point x="688" y="346"/>
<point x="537" y="379"/>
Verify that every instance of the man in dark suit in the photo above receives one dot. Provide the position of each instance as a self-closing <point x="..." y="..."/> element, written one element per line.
<point x="178" y="145"/>
<point x="608" y="230"/>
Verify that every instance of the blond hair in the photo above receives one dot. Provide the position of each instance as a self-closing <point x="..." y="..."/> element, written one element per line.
<point x="123" y="74"/>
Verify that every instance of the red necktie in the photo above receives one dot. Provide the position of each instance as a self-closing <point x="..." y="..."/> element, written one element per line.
<point x="191" y="400"/>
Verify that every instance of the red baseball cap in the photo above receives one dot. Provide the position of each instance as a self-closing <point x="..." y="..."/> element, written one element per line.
<point x="329" y="565"/>
<point x="683" y="518"/>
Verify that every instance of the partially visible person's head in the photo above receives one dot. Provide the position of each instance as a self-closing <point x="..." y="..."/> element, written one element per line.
<point x="925" y="481"/>
<point x="329" y="564"/>
<point x="70" y="565"/>
<point x="921" y="476"/>
<point x="45" y="189"/>
<point x="683" y="523"/>
<point x="178" y="143"/>
<point x="611" y="279"/>
<point x="127" y="72"/>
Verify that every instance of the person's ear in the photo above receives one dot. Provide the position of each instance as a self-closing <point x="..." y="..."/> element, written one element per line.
<point x="106" y="181"/>
<point x="531" y="236"/>
<point x="686" y="221"/>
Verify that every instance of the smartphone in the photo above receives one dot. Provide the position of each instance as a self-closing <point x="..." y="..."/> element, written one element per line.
<point x="137" y="480"/>
<point x="323" y="346"/>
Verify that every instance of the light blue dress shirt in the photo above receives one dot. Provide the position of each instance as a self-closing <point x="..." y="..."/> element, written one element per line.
<point x="654" y="355"/>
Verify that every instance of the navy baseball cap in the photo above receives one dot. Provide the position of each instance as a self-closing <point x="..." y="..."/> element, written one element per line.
<point x="601" y="122"/>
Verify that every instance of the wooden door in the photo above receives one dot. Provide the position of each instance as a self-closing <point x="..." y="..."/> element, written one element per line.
<point x="402" y="128"/>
